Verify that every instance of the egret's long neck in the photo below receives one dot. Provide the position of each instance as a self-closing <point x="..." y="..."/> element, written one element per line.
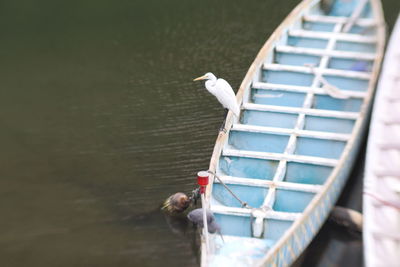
<point x="210" y="84"/>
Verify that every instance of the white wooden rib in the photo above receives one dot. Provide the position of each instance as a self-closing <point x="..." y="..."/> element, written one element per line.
<point x="330" y="19"/>
<point x="324" y="52"/>
<point x="307" y="111"/>
<point x="303" y="89"/>
<point x="311" y="188"/>
<point x="278" y="156"/>
<point x="321" y="71"/>
<point x="286" y="131"/>
<point x="349" y="37"/>
<point x="276" y="215"/>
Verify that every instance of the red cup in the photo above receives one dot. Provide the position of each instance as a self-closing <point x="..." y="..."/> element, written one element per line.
<point x="202" y="178"/>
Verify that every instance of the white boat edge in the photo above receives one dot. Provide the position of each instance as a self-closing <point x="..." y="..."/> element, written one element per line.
<point x="382" y="222"/>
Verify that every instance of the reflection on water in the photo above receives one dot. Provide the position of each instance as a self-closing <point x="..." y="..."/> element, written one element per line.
<point x="101" y="122"/>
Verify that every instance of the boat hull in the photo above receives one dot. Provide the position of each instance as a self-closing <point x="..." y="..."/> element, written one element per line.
<point x="381" y="199"/>
<point x="292" y="149"/>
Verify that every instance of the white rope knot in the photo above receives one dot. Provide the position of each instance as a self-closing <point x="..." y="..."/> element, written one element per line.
<point x="257" y="216"/>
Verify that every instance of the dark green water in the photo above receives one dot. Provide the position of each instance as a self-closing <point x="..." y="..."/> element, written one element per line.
<point x="100" y="121"/>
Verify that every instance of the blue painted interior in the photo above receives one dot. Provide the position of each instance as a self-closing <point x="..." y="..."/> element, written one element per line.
<point x="241" y="226"/>
<point x="296" y="59"/>
<point x="291" y="201"/>
<point x="350" y="64"/>
<point x="254" y="196"/>
<point x="272" y="119"/>
<point x="330" y="103"/>
<point x="277" y="97"/>
<point x="306" y="173"/>
<point x="307" y="42"/>
<point x="258" y="141"/>
<point x="318" y="26"/>
<point x="347" y="83"/>
<point x="319" y="147"/>
<point x="343" y="8"/>
<point x="274" y="229"/>
<point x="234" y="225"/>
<point x="288" y="200"/>
<point x="287" y="77"/>
<point x="332" y="125"/>
<point x="256" y="248"/>
<point x="362" y="30"/>
<point x="355" y="47"/>
<point x="248" y="167"/>
<point x="367" y="12"/>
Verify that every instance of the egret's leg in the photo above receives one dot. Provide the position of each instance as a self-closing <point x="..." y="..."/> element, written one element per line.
<point x="222" y="128"/>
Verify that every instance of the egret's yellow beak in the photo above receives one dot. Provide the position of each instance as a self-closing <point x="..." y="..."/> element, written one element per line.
<point x="200" y="78"/>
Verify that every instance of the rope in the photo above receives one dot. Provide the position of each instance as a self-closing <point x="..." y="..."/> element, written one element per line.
<point x="330" y="89"/>
<point x="243" y="203"/>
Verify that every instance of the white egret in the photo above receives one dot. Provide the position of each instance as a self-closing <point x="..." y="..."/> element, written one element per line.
<point x="222" y="91"/>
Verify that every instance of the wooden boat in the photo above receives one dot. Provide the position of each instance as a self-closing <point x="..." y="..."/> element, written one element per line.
<point x="381" y="201"/>
<point x="304" y="105"/>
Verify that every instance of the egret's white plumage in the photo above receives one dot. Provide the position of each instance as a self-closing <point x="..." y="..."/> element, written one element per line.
<point x="222" y="91"/>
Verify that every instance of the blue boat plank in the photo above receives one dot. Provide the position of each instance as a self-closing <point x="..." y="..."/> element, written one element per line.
<point x="248" y="167"/>
<point x="307" y="173"/>
<point x="354" y="46"/>
<point x="265" y="118"/>
<point x="278" y="97"/>
<point x="332" y="125"/>
<point x="307" y="42"/>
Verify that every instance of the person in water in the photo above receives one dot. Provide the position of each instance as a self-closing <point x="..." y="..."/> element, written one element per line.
<point x="177" y="203"/>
